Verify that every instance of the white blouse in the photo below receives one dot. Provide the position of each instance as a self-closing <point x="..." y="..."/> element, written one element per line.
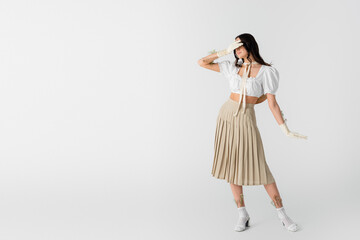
<point x="266" y="81"/>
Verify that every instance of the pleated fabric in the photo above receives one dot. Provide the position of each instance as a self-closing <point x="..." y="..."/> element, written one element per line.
<point x="239" y="156"/>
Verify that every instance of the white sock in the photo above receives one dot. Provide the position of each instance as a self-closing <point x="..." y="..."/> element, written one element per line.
<point x="288" y="223"/>
<point x="243" y="218"/>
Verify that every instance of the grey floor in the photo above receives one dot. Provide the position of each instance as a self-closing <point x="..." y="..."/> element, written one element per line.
<point x="77" y="212"/>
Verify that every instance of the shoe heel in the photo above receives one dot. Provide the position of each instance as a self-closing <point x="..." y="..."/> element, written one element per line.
<point x="247" y="223"/>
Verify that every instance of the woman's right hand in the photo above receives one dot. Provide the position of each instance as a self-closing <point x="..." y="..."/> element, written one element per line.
<point x="234" y="45"/>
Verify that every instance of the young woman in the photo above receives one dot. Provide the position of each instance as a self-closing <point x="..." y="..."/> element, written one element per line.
<point x="239" y="154"/>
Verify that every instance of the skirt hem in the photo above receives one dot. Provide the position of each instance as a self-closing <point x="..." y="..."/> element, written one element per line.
<point x="241" y="184"/>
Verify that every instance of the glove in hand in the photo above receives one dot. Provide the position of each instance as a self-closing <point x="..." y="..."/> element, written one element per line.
<point x="230" y="49"/>
<point x="289" y="133"/>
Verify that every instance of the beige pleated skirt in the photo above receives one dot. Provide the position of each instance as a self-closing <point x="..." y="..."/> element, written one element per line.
<point x="239" y="154"/>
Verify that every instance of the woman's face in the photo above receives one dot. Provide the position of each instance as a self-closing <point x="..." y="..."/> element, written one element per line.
<point x="241" y="51"/>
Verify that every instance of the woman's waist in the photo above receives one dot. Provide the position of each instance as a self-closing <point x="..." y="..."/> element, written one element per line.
<point x="249" y="99"/>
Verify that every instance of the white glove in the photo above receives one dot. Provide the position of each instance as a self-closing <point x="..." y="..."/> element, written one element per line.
<point x="287" y="132"/>
<point x="230" y="49"/>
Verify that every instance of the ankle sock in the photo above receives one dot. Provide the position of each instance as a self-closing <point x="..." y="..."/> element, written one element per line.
<point x="242" y="211"/>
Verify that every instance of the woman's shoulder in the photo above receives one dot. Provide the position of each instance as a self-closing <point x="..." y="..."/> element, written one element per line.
<point x="270" y="72"/>
<point x="232" y="64"/>
<point x="227" y="66"/>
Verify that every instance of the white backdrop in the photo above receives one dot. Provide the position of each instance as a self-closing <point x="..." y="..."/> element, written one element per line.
<point x="107" y="121"/>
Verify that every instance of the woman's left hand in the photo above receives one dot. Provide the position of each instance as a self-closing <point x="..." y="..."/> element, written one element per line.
<point x="289" y="133"/>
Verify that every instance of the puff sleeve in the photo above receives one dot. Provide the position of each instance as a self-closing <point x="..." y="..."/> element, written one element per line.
<point x="271" y="80"/>
<point x="226" y="68"/>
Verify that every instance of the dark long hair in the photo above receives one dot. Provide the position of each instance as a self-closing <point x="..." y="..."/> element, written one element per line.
<point x="251" y="47"/>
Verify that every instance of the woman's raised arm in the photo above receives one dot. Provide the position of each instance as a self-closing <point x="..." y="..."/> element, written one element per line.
<point x="207" y="62"/>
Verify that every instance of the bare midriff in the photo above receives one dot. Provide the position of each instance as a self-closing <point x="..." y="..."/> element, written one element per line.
<point x="249" y="99"/>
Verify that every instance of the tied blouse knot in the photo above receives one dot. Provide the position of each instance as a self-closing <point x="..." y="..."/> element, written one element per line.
<point x="266" y="81"/>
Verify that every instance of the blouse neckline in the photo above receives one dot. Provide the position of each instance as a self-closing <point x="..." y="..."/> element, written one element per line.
<point x="238" y="69"/>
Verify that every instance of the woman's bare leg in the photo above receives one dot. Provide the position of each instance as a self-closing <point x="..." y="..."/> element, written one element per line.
<point x="237" y="191"/>
<point x="244" y="216"/>
<point x="274" y="194"/>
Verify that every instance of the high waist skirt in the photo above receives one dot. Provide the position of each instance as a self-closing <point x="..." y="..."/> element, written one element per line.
<point x="239" y="156"/>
